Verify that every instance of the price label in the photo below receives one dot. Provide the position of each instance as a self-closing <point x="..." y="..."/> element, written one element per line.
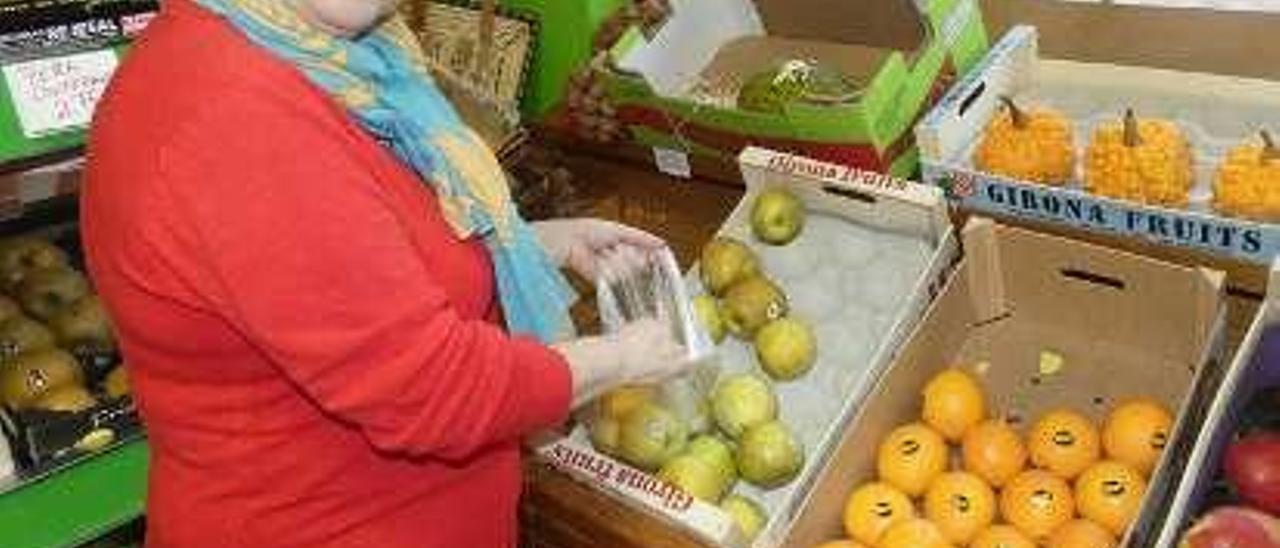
<point x="58" y="94"/>
<point x="673" y="162"/>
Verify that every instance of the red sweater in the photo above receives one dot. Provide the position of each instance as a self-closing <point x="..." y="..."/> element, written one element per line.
<point x="313" y="350"/>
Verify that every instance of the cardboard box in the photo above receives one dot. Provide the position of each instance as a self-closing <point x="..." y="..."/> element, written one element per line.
<point x="1236" y="41"/>
<point x="844" y="204"/>
<point x="1125" y="325"/>
<point x="1254" y="369"/>
<point x="678" y="89"/>
<point x="1217" y="112"/>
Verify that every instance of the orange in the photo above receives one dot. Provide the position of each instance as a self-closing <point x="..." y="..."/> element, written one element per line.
<point x="872" y="508"/>
<point x="911" y="457"/>
<point x="1037" y="502"/>
<point x="953" y="403"/>
<point x="1135" y="433"/>
<point x="1001" y="536"/>
<point x="1081" y="533"/>
<point x="1110" y="493"/>
<point x="842" y="543"/>
<point x="961" y="505"/>
<point x="994" y="452"/>
<point x="914" y="533"/>
<point x="1063" y="442"/>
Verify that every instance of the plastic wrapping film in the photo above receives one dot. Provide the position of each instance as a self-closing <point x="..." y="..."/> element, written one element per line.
<point x="655" y="289"/>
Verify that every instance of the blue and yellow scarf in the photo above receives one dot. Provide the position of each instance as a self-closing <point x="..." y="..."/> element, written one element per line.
<point x="382" y="79"/>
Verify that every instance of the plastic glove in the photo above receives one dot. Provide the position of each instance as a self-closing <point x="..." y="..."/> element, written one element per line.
<point x="641" y="352"/>
<point x="584" y="244"/>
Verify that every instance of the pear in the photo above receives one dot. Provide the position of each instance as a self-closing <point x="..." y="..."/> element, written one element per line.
<point x="695" y="476"/>
<point x="750" y="304"/>
<point x="20" y="335"/>
<point x="741" y="401"/>
<point x="724" y="262"/>
<point x="650" y="436"/>
<point x="604" y="434"/>
<point x="46" y="291"/>
<point x="746" y="513"/>
<point x="786" y="348"/>
<point x="22" y="254"/>
<point x="67" y="399"/>
<point x="84" y="325"/>
<point x="777" y="216"/>
<point x="717" y="453"/>
<point x="708" y="312"/>
<point x="31" y="376"/>
<point x="769" y="455"/>
<point x="116" y="383"/>
<point x="619" y="402"/>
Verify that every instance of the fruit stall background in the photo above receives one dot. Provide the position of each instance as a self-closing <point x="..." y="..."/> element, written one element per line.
<point x="677" y="89"/>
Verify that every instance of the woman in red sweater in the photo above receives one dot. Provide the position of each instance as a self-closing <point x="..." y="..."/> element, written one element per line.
<point x="307" y="257"/>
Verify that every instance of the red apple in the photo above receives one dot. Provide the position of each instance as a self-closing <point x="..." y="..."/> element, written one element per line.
<point x="1233" y="527"/>
<point x="1253" y="467"/>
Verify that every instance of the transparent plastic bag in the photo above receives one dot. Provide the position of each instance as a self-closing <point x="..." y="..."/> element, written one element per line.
<point x="655" y="289"/>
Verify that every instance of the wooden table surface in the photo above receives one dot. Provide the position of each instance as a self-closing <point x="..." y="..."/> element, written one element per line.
<point x="559" y="512"/>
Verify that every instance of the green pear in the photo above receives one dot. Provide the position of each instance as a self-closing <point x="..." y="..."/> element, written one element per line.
<point x="22" y="254"/>
<point x="786" y="348"/>
<point x="46" y="291"/>
<point x="717" y="453"/>
<point x="708" y="312"/>
<point x="750" y="304"/>
<point x="769" y="455"/>
<point x="724" y="262"/>
<point x="695" y="476"/>
<point x="604" y="435"/>
<point x="84" y="325"/>
<point x="777" y="216"/>
<point x="20" y="335"/>
<point x="746" y="513"/>
<point x="650" y="436"/>
<point x="741" y="401"/>
<point x="31" y="376"/>
<point x="67" y="399"/>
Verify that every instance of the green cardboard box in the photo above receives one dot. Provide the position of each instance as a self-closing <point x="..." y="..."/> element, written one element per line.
<point x="565" y="32"/>
<point x="676" y="88"/>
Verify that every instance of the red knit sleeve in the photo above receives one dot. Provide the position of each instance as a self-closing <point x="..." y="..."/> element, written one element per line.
<point x="317" y="272"/>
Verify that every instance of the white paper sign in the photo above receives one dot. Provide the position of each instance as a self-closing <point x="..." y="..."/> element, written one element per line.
<point x="58" y="94"/>
<point x="673" y="162"/>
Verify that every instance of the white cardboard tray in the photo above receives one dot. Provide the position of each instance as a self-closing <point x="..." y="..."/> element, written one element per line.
<point x="862" y="227"/>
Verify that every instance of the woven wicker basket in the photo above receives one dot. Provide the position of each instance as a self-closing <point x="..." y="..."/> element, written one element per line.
<point x="480" y="60"/>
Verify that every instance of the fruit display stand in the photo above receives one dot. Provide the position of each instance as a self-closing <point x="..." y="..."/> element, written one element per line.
<point x="563" y="512"/>
<point x="78" y="503"/>
<point x="1042" y="323"/>
<point x="1217" y="113"/>
<point x="1254" y="370"/>
<point x="906" y="244"/>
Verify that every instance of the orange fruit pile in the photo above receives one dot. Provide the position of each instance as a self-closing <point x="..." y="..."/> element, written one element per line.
<point x="961" y="478"/>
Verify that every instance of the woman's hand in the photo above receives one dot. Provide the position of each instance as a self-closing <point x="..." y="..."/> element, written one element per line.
<point x="641" y="352"/>
<point x="583" y="245"/>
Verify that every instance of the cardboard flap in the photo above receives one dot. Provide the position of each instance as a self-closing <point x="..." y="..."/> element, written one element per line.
<point x="877" y="200"/>
<point x="1108" y="295"/>
<point x="890" y="24"/>
<point x="985" y="278"/>
<point x="742" y="58"/>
